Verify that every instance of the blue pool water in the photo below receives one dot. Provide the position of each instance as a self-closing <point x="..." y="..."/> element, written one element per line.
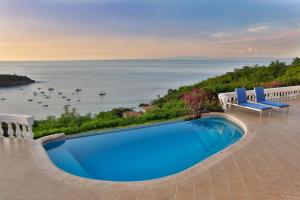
<point x="144" y="153"/>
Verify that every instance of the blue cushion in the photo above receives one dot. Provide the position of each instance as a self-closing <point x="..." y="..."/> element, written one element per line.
<point x="241" y="95"/>
<point x="260" y="94"/>
<point x="275" y="104"/>
<point x="255" y="105"/>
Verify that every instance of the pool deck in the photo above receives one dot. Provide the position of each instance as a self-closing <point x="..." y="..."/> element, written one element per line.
<point x="265" y="164"/>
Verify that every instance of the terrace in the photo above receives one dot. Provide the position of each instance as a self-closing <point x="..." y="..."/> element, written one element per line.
<point x="265" y="164"/>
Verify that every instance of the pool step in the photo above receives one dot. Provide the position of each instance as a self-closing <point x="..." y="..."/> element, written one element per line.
<point x="66" y="161"/>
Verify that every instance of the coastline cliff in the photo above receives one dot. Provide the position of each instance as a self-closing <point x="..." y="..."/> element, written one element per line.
<point x="9" y="80"/>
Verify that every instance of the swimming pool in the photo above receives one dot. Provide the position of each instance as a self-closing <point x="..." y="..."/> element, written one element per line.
<point x="143" y="153"/>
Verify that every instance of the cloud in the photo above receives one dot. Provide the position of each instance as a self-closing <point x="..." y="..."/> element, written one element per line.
<point x="290" y="34"/>
<point x="220" y="35"/>
<point x="251" y="49"/>
<point x="257" y="29"/>
<point x="276" y="22"/>
<point x="241" y="51"/>
<point x="248" y="50"/>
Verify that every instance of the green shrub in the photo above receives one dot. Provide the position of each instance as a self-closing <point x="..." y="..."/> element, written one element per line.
<point x="172" y="106"/>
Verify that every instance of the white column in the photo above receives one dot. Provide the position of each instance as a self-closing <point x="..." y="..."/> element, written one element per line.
<point x="29" y="134"/>
<point x="1" y="130"/>
<point x="24" y="131"/>
<point x="10" y="131"/>
<point x="18" y="130"/>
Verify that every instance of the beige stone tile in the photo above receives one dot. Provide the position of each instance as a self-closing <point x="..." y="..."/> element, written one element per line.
<point x="266" y="165"/>
<point x="221" y="196"/>
<point x="129" y="195"/>
<point x="185" y="191"/>
<point x="292" y="197"/>
<point x="167" y="192"/>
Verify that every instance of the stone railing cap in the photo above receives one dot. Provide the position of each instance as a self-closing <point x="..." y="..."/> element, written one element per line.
<point x="27" y="119"/>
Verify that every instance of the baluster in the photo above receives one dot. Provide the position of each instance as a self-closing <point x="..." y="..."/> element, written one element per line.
<point x="24" y="131"/>
<point x="10" y="131"/>
<point x="18" y="130"/>
<point x="1" y="130"/>
<point x="271" y="96"/>
<point x="294" y="94"/>
<point x="30" y="134"/>
<point x="286" y="94"/>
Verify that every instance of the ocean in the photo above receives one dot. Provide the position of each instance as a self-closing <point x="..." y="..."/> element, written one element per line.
<point x="126" y="83"/>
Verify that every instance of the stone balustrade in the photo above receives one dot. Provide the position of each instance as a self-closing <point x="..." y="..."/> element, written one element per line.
<point x="16" y="126"/>
<point x="272" y="94"/>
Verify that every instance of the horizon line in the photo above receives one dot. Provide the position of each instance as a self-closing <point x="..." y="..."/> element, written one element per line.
<point x="140" y="59"/>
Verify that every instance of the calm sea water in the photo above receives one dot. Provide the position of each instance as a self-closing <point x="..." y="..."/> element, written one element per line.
<point x="126" y="83"/>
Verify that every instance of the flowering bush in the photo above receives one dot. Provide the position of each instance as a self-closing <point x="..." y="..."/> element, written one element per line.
<point x="197" y="101"/>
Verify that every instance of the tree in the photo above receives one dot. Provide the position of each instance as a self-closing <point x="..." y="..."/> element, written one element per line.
<point x="296" y="61"/>
<point x="197" y="101"/>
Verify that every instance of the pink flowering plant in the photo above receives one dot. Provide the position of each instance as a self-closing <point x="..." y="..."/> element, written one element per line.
<point x="197" y="102"/>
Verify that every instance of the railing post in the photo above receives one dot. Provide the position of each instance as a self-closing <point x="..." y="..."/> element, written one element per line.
<point x="30" y="123"/>
<point x="1" y="130"/>
<point x="24" y="131"/>
<point x="10" y="131"/>
<point x="30" y="133"/>
<point x="18" y="130"/>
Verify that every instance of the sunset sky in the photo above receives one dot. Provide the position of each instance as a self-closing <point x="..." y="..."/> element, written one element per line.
<point x="130" y="29"/>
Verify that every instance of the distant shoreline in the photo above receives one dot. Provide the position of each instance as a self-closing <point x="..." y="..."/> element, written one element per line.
<point x="156" y="59"/>
<point x="9" y="80"/>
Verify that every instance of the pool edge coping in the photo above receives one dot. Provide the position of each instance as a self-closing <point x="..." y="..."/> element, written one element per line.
<point x="44" y="162"/>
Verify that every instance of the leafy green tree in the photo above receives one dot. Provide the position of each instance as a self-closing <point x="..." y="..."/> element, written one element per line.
<point x="175" y="104"/>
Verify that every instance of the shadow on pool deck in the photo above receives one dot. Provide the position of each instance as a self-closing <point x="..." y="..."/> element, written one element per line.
<point x="265" y="165"/>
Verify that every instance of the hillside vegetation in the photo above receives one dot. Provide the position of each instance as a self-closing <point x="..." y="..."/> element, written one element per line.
<point x="173" y="105"/>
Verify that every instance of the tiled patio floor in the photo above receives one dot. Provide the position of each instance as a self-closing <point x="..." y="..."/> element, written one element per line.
<point x="265" y="165"/>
